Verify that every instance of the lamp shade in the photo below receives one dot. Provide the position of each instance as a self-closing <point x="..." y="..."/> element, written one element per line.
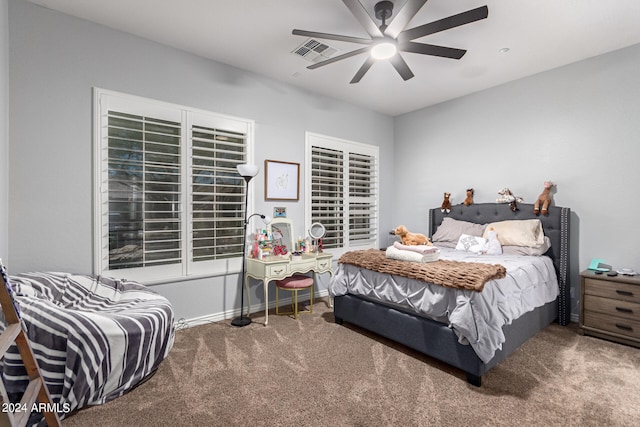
<point x="248" y="170"/>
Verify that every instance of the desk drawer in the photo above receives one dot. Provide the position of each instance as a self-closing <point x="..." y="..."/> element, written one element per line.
<point x="278" y="271"/>
<point x="614" y="290"/>
<point x="612" y="307"/>
<point x="324" y="265"/>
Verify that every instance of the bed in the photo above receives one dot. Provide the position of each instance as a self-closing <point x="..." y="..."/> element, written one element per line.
<point x="94" y="337"/>
<point x="435" y="334"/>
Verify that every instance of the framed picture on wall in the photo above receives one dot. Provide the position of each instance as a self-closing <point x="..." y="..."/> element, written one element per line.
<point x="282" y="180"/>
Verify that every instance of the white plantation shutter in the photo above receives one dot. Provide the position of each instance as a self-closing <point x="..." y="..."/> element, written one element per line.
<point x="217" y="193"/>
<point x="169" y="199"/>
<point x="144" y="191"/>
<point x="363" y="199"/>
<point x="343" y="186"/>
<point x="327" y="199"/>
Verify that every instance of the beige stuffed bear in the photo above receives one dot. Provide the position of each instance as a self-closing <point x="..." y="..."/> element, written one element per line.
<point x="412" y="239"/>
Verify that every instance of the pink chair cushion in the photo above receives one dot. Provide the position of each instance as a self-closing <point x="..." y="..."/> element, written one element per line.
<point x="294" y="282"/>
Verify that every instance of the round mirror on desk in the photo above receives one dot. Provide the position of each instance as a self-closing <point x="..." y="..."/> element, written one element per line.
<point x="317" y="232"/>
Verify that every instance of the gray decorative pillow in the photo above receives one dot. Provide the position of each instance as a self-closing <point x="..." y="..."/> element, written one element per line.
<point x="449" y="232"/>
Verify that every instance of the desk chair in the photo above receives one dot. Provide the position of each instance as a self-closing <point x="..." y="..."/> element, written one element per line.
<point x="294" y="284"/>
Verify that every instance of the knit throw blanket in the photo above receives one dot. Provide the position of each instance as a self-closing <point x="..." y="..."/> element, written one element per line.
<point x="452" y="274"/>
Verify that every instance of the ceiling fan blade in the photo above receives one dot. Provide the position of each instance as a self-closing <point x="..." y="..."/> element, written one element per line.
<point x="402" y="18"/>
<point x="338" y="58"/>
<point x="328" y="36"/>
<point x="401" y="67"/>
<point x="433" y="50"/>
<point x="444" y="24"/>
<point x="363" y="17"/>
<point x="361" y="72"/>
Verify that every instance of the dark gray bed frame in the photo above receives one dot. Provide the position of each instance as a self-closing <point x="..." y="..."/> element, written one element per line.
<point x="437" y="339"/>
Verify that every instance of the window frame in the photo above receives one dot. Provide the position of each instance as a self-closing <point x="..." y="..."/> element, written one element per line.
<point x="347" y="147"/>
<point x="186" y="269"/>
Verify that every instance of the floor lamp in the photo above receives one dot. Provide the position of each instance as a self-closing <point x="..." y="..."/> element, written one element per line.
<point x="247" y="172"/>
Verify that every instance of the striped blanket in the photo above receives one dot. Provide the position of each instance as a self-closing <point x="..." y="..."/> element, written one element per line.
<point x="94" y="337"/>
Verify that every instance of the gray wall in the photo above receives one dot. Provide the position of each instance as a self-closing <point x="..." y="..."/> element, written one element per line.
<point x="4" y="131"/>
<point x="55" y="60"/>
<point x="576" y="126"/>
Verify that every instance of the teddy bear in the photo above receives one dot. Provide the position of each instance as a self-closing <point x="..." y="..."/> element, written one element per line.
<point x="469" y="199"/>
<point x="446" y="204"/>
<point x="544" y="199"/>
<point x="411" y="239"/>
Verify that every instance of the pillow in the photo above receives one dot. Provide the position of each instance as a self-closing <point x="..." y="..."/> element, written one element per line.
<point x="449" y="232"/>
<point x="528" y="250"/>
<point x="470" y="243"/>
<point x="526" y="232"/>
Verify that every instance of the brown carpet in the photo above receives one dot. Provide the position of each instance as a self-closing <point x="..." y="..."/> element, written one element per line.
<point x="314" y="372"/>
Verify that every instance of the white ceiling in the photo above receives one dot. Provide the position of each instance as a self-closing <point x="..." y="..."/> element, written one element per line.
<point x="255" y="35"/>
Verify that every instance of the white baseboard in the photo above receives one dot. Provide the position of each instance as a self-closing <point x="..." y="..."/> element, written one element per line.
<point x="230" y="314"/>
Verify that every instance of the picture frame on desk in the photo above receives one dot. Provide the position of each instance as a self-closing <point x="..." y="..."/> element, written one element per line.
<point x="282" y="180"/>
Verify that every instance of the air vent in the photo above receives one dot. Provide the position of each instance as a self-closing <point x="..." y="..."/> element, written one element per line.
<point x="314" y="51"/>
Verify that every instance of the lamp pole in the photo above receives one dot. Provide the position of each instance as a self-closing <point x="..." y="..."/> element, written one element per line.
<point x="247" y="172"/>
<point x="243" y="321"/>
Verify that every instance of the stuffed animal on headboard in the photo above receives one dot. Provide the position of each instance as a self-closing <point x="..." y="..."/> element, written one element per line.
<point x="506" y="196"/>
<point x="411" y="239"/>
<point x="469" y="199"/>
<point x="544" y="199"/>
<point x="446" y="203"/>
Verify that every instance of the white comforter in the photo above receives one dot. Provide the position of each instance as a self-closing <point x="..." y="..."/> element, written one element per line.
<point x="476" y="317"/>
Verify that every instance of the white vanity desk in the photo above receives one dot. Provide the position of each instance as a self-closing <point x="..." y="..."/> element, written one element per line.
<point x="278" y="267"/>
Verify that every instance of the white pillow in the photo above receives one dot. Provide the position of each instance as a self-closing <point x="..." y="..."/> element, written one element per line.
<point x="528" y="250"/>
<point x="471" y="243"/>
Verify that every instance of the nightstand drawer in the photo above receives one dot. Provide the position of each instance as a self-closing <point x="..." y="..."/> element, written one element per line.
<point x="626" y="327"/>
<point x="611" y="289"/>
<point x="612" y="307"/>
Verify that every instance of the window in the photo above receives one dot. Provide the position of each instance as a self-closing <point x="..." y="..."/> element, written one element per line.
<point x="342" y="189"/>
<point x="169" y="200"/>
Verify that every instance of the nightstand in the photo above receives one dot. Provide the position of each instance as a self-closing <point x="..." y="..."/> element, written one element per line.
<point x="610" y="307"/>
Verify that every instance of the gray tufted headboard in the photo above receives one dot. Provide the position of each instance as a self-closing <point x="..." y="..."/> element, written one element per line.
<point x="555" y="226"/>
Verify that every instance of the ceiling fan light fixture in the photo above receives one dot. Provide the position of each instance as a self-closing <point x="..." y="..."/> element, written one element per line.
<point x="384" y="49"/>
<point x="388" y="41"/>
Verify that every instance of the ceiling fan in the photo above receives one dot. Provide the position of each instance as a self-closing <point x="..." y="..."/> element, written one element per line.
<point x="388" y="40"/>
